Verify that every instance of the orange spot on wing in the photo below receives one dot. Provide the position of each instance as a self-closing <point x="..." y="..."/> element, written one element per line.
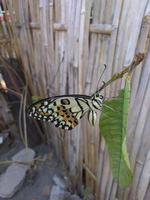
<point x="68" y="118"/>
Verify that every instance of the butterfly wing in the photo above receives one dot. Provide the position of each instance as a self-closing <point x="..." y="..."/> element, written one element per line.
<point x="63" y="111"/>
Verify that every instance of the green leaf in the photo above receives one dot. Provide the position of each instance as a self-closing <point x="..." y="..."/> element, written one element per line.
<point x="113" y="127"/>
<point x="36" y="98"/>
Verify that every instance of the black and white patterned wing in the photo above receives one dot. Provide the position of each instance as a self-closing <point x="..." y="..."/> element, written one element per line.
<point x="63" y="111"/>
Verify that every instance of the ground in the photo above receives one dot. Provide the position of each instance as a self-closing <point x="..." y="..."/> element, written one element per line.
<point x="39" y="179"/>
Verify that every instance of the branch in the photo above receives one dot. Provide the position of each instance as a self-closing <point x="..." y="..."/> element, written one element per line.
<point x="136" y="61"/>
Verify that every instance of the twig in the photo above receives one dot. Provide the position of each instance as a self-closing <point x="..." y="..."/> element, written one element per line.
<point x="24" y="117"/>
<point x="37" y="159"/>
<point x="20" y="123"/>
<point x="137" y="59"/>
<point x="14" y="92"/>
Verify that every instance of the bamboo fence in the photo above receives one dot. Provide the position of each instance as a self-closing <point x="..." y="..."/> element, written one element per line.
<point x="62" y="46"/>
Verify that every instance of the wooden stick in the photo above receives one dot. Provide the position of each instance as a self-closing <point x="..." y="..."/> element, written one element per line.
<point x="89" y="172"/>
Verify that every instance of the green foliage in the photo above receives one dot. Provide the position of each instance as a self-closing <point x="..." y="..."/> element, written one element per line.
<point x="35" y="99"/>
<point x="86" y="193"/>
<point x="113" y="127"/>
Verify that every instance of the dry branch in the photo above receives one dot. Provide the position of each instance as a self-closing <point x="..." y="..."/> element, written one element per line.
<point x="137" y="59"/>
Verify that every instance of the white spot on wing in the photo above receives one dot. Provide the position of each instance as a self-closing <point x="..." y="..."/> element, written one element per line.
<point x="55" y="122"/>
<point x="44" y="110"/>
<point x="33" y="110"/>
<point x="49" y="111"/>
<point x="66" y="127"/>
<point x="55" y="114"/>
<point x="45" y="103"/>
<point x="49" y="106"/>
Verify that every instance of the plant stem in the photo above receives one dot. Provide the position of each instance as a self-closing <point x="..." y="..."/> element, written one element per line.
<point x="136" y="61"/>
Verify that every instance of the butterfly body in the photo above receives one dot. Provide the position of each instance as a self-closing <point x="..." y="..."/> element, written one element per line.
<point x="66" y="110"/>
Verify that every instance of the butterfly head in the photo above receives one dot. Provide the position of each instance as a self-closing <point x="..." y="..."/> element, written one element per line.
<point x="97" y="100"/>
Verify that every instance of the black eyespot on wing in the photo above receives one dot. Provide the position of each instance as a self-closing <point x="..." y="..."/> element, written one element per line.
<point x="63" y="108"/>
<point x="54" y="104"/>
<point x="65" y="101"/>
<point x="58" y="107"/>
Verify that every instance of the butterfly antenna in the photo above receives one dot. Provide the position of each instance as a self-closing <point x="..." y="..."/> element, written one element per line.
<point x="105" y="66"/>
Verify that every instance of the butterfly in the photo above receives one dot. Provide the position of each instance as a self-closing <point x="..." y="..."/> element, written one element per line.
<point x="65" y="111"/>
